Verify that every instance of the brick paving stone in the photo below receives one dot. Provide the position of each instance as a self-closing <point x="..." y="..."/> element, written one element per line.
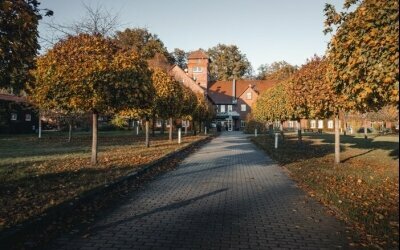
<point x="226" y="195"/>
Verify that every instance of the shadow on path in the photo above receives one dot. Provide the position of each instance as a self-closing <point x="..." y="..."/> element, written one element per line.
<point x="169" y="207"/>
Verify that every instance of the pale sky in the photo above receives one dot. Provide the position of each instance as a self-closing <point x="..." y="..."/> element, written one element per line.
<point x="264" y="30"/>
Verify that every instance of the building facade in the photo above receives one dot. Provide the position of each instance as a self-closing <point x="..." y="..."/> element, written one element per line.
<point x="232" y="100"/>
<point x="16" y="115"/>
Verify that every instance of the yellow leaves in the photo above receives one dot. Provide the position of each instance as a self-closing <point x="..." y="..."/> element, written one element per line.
<point x="388" y="80"/>
<point x="364" y="52"/>
<point x="87" y="72"/>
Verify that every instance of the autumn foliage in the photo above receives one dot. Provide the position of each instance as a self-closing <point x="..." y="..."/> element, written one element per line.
<point x="363" y="54"/>
<point x="272" y="105"/>
<point x="88" y="73"/>
<point x="311" y="95"/>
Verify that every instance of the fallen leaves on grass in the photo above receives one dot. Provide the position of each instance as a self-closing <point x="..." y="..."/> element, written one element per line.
<point x="364" y="189"/>
<point x="27" y="188"/>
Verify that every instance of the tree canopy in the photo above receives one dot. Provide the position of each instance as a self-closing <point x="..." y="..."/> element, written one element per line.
<point x="228" y="62"/>
<point x="18" y="41"/>
<point x="89" y="73"/>
<point x="146" y="44"/>
<point x="273" y="105"/>
<point x="309" y="91"/>
<point x="180" y="58"/>
<point x="168" y="94"/>
<point x="363" y="54"/>
<point x="279" y="71"/>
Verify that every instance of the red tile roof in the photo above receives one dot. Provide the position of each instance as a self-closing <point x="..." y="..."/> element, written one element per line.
<point x="13" y="98"/>
<point x="221" y="91"/>
<point x="198" y="54"/>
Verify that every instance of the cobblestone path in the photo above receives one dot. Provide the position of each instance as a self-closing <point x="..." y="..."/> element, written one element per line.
<point x="226" y="195"/>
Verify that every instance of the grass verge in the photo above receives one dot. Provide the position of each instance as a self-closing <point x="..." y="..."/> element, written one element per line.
<point x="363" y="189"/>
<point x="36" y="174"/>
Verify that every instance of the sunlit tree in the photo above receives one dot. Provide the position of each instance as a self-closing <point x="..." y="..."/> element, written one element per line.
<point x="88" y="73"/>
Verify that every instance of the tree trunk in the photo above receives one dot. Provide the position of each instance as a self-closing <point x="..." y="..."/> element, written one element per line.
<point x="94" y="138"/>
<point x="281" y="130"/>
<point x="200" y="126"/>
<point x="170" y="129"/>
<point x="147" y="141"/>
<point x="162" y="126"/>
<point x="40" y="126"/>
<point x="365" y="129"/>
<point x="337" y="140"/>
<point x="299" y="136"/>
<point x="70" y="132"/>
<point x="345" y="124"/>
<point x="186" y="127"/>
<point x="194" y="127"/>
<point x="153" y="126"/>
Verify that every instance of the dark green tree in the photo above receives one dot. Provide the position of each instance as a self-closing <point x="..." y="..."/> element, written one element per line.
<point x="276" y="71"/>
<point x="180" y="58"/>
<point x="228" y="62"/>
<point x="146" y="44"/>
<point x="18" y="41"/>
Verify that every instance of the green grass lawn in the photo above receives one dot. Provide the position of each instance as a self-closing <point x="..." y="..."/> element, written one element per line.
<point x="36" y="174"/>
<point x="363" y="189"/>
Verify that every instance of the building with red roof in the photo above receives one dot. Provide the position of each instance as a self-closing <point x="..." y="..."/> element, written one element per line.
<point x="232" y="99"/>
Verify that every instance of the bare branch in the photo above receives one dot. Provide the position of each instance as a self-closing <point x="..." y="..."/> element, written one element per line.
<point x="97" y="20"/>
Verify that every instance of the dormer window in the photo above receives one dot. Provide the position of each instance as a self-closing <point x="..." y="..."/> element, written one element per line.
<point x="248" y="95"/>
<point x="197" y="69"/>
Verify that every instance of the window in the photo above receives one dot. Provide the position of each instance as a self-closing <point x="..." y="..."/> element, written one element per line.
<point x="222" y="108"/>
<point x="197" y="69"/>
<point x="14" y="116"/>
<point x="242" y="123"/>
<point x="290" y="124"/>
<point x="330" y="124"/>
<point x="248" y="95"/>
<point x="158" y="124"/>
<point x="313" y="124"/>
<point x="243" y="107"/>
<point x="320" y="123"/>
<point x="229" y="108"/>
<point x="28" y="117"/>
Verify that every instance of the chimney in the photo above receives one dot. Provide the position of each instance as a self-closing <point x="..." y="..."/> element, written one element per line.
<point x="234" y="91"/>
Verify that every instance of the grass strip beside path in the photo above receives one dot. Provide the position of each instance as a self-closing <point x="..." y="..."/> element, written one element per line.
<point x="363" y="189"/>
<point x="36" y="174"/>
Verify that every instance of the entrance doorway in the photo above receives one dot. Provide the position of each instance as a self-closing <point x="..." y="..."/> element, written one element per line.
<point x="230" y="125"/>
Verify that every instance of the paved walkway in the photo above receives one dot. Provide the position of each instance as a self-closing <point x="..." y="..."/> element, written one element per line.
<point x="227" y="195"/>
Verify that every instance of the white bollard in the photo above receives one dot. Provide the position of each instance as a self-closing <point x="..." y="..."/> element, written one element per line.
<point x="40" y="128"/>
<point x="179" y="135"/>
<point x="255" y="132"/>
<point x="276" y="140"/>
